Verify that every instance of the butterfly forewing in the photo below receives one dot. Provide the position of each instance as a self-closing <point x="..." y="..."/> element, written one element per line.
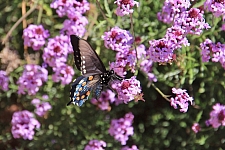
<point x="86" y="59"/>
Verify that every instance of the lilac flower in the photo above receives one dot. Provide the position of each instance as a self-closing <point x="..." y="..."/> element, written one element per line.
<point x="75" y="24"/>
<point x="223" y="27"/>
<point x="4" y="80"/>
<point x="217" y="116"/>
<point x="160" y="51"/>
<point x="217" y="7"/>
<point x="55" y="54"/>
<point x="192" y="21"/>
<point x="216" y="51"/>
<point x="32" y="78"/>
<point x="177" y="37"/>
<point x="128" y="89"/>
<point x="117" y="39"/>
<point x="172" y="8"/>
<point x="146" y="63"/>
<point x="196" y="127"/>
<point x="95" y="145"/>
<point x="134" y="147"/>
<point x="125" y="7"/>
<point x="141" y="51"/>
<point x="125" y="60"/>
<point x="35" y="36"/>
<point x="104" y="101"/>
<point x="121" y="128"/>
<point x="23" y="125"/>
<point x="182" y="99"/>
<point x="64" y="74"/>
<point x="41" y="107"/>
<point x="66" y="7"/>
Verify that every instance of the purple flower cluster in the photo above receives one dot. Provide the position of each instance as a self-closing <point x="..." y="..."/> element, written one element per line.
<point x="55" y="55"/>
<point x="182" y="99"/>
<point x="95" y="145"/>
<point x="118" y="39"/>
<point x="35" y="36"/>
<point x="145" y="63"/>
<point x="103" y="102"/>
<point x="67" y="7"/>
<point x="216" y="51"/>
<point x="134" y="147"/>
<point x="125" y="60"/>
<point x="32" y="78"/>
<point x="192" y="21"/>
<point x="217" y="116"/>
<point x="121" y="128"/>
<point x="128" y="89"/>
<point x="196" y="127"/>
<point x="171" y="8"/>
<point x="73" y="9"/>
<point x="64" y="74"/>
<point x="23" y="125"/>
<point x="184" y="22"/>
<point x="125" y="7"/>
<point x="75" y="24"/>
<point x="4" y="80"/>
<point x="41" y="107"/>
<point x="121" y="41"/>
<point x="57" y="50"/>
<point x="160" y="51"/>
<point x="217" y="7"/>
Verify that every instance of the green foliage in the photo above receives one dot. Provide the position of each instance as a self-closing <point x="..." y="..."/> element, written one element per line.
<point x="156" y="124"/>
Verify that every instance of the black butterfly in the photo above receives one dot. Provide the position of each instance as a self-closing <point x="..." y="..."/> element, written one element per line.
<point x="94" y="75"/>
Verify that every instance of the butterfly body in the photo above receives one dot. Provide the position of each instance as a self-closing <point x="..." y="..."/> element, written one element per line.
<point x="94" y="75"/>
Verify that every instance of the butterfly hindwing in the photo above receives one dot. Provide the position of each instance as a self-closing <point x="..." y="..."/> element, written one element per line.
<point x="86" y="59"/>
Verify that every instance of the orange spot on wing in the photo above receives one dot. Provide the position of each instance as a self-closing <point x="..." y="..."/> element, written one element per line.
<point x="84" y="83"/>
<point x="83" y="96"/>
<point x="88" y="93"/>
<point x="90" y="78"/>
<point x="80" y="89"/>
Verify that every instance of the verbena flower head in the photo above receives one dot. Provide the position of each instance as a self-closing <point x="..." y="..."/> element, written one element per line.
<point x="55" y="54"/>
<point x="63" y="74"/>
<point x="223" y="27"/>
<point x="217" y="7"/>
<point x="4" y="80"/>
<point x="134" y="147"/>
<point x="75" y="24"/>
<point x="118" y="39"/>
<point x="160" y="51"/>
<point x="103" y="102"/>
<point x="35" y="36"/>
<point x="196" y="127"/>
<point x="125" y="7"/>
<point x="23" y="125"/>
<point x="217" y="116"/>
<point x="32" y="78"/>
<point x="95" y="145"/>
<point x="66" y="7"/>
<point x="177" y="37"/>
<point x="171" y="8"/>
<point x="128" y="89"/>
<point x="192" y="21"/>
<point x="41" y="107"/>
<point x="122" y="128"/>
<point x="182" y="99"/>
<point x="216" y="51"/>
<point x="125" y="61"/>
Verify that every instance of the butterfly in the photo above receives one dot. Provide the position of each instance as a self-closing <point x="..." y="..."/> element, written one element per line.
<point x="94" y="74"/>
